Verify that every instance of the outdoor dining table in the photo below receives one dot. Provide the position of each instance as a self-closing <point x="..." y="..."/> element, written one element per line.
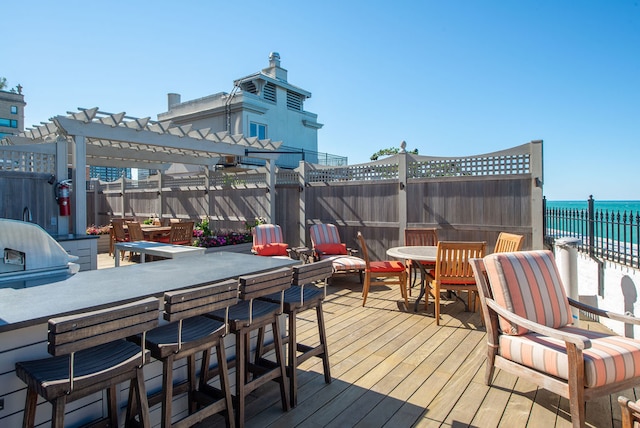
<point x="158" y="249"/>
<point x="417" y="254"/>
<point x="154" y="233"/>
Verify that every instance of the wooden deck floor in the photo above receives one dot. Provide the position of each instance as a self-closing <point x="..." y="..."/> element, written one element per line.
<point x="396" y="368"/>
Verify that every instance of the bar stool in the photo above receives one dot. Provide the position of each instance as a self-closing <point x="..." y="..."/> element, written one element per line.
<point x="304" y="295"/>
<point x="248" y="315"/>
<point x="90" y="354"/>
<point x="188" y="334"/>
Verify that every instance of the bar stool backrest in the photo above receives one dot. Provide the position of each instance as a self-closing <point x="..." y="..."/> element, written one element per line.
<point x="262" y="284"/>
<point x="192" y="302"/>
<point x="312" y="272"/>
<point x="77" y="332"/>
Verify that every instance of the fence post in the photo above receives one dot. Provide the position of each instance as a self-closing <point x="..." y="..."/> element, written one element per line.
<point x="402" y="192"/>
<point x="567" y="258"/>
<point x="591" y="225"/>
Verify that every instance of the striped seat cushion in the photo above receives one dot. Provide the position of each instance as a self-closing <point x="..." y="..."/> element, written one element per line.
<point x="528" y="284"/>
<point x="345" y="263"/>
<point x="610" y="358"/>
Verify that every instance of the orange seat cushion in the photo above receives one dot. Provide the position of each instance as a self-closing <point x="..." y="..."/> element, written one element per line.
<point x="276" y="249"/>
<point x="332" y="249"/>
<point x="387" y="266"/>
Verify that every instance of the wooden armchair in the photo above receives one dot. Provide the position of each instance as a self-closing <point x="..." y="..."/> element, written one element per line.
<point x="382" y="269"/>
<point x="326" y="245"/>
<point x="529" y="332"/>
<point x="508" y="242"/>
<point x="453" y="271"/>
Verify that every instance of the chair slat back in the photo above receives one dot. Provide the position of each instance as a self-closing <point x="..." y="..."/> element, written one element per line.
<point x="119" y="233"/>
<point x="264" y="234"/>
<point x="452" y="262"/>
<point x="324" y="234"/>
<point x="312" y="272"/>
<point x="508" y="242"/>
<point x="135" y="231"/>
<point x="77" y="332"/>
<point x="182" y="304"/>
<point x="421" y="237"/>
<point x="181" y="232"/>
<point x="363" y="248"/>
<point x="262" y="284"/>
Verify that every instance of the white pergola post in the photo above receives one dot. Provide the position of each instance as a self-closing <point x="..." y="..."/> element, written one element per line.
<point x="271" y="189"/>
<point x="79" y="183"/>
<point x="62" y="223"/>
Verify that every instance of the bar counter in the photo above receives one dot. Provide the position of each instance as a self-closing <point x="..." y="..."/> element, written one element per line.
<point x="24" y="313"/>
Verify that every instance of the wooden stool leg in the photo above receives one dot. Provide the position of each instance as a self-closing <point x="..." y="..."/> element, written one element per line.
<point x="191" y="362"/>
<point x="57" y="418"/>
<point x="30" y="408"/>
<point x="323" y="343"/>
<point x="225" y="386"/>
<point x="241" y="376"/>
<point x="167" y="390"/>
<point x="280" y="359"/>
<point x="143" y="404"/>
<point x="292" y="363"/>
<point x="112" y="403"/>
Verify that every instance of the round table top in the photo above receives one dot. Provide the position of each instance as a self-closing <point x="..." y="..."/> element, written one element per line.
<point x="416" y="252"/>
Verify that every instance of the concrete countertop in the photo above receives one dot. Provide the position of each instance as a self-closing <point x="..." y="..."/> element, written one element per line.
<point x="98" y="288"/>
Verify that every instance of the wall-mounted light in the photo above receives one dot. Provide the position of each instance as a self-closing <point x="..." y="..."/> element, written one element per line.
<point x="401" y="184"/>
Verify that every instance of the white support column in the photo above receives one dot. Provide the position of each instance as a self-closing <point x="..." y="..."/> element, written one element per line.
<point x="537" y="180"/>
<point x="62" y="223"/>
<point x="402" y="195"/>
<point x="567" y="259"/>
<point x="302" y="216"/>
<point x="271" y="189"/>
<point x="79" y="182"/>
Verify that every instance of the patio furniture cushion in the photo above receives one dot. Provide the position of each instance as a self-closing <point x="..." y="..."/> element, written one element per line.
<point x="345" y="263"/>
<point x="387" y="266"/>
<point x="610" y="359"/>
<point x="332" y="249"/>
<point x="274" y="249"/>
<point x="517" y="277"/>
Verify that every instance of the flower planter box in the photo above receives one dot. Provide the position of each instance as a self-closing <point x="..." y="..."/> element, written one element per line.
<point x="103" y="243"/>
<point x="238" y="248"/>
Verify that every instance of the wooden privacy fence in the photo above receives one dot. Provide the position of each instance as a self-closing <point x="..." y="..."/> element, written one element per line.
<point x="465" y="198"/>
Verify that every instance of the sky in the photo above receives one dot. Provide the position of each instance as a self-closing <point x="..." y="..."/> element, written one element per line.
<point x="449" y="77"/>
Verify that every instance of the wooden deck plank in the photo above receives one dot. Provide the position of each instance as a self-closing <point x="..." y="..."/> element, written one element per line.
<point x="394" y="367"/>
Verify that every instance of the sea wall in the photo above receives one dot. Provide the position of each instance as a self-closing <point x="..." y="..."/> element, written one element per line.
<point x="610" y="286"/>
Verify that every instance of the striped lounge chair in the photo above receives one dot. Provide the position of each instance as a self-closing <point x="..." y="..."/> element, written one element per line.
<point x="327" y="245"/>
<point x="269" y="241"/>
<point x="530" y="332"/>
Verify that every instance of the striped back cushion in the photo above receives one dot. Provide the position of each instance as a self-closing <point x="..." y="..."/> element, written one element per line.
<point x="267" y="234"/>
<point x="528" y="284"/>
<point x="324" y="234"/>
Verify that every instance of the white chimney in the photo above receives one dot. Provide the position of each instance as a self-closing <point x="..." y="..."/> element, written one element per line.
<point x="173" y="99"/>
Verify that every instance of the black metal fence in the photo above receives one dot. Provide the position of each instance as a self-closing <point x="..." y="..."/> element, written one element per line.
<point x="605" y="234"/>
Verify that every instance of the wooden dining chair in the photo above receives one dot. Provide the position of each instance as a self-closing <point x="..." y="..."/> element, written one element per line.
<point x="119" y="233"/>
<point x="382" y="269"/>
<point x="419" y="237"/>
<point x="508" y="242"/>
<point x="134" y="230"/>
<point x="181" y="233"/>
<point x="453" y="271"/>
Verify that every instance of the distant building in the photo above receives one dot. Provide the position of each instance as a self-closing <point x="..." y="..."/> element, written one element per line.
<point x="263" y="105"/>
<point x="11" y="112"/>
<point x="109" y="173"/>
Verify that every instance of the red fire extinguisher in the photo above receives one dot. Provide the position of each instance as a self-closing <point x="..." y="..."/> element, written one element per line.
<point x="62" y="196"/>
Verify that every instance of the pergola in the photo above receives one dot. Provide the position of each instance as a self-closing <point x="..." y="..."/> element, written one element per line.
<point x="92" y="137"/>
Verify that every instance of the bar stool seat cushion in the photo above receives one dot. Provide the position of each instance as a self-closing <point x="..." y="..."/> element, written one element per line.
<point x="195" y="332"/>
<point x="50" y="376"/>
<point x="239" y="313"/>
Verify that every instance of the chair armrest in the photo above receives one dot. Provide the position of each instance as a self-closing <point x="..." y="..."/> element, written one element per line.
<point x="581" y="342"/>
<point x="352" y="251"/>
<point x="629" y="319"/>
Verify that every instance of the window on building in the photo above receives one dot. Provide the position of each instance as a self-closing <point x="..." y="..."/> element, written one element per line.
<point x="294" y="101"/>
<point x="258" y="130"/>
<point x="9" y="123"/>
<point x="14" y="109"/>
<point x="270" y="92"/>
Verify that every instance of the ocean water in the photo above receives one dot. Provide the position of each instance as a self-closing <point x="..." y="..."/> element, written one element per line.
<point x="610" y="206"/>
<point x="621" y="220"/>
